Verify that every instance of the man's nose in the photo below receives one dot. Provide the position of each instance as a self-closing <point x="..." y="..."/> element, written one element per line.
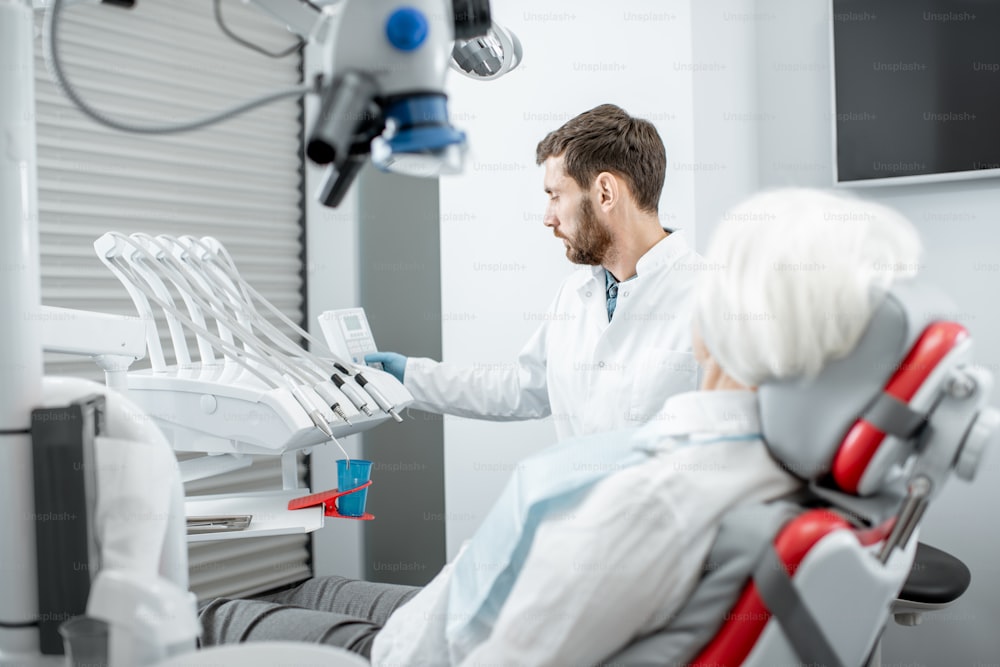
<point x="549" y="218"/>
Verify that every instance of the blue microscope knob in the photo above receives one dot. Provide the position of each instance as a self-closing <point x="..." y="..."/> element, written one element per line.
<point x="406" y="28"/>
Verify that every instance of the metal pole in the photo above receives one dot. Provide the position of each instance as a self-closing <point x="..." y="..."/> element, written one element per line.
<point x="20" y="339"/>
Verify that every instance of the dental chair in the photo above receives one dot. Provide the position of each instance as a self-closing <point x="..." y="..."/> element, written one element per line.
<point x="811" y="580"/>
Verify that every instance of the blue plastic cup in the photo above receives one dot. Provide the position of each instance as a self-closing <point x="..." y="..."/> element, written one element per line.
<point x="352" y="474"/>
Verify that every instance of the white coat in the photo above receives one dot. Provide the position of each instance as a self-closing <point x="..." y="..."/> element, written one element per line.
<point x="589" y="374"/>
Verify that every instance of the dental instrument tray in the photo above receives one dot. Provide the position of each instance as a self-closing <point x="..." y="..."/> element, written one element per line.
<point x="199" y="409"/>
<point x="248" y="386"/>
<point x="268" y="512"/>
<point x="217" y="524"/>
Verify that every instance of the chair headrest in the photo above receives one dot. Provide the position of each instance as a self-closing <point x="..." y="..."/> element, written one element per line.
<point x="853" y="419"/>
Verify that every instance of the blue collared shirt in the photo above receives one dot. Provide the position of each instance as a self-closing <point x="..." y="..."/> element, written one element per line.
<point x="611" y="289"/>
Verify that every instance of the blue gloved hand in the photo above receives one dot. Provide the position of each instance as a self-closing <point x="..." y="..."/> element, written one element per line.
<point x="392" y="363"/>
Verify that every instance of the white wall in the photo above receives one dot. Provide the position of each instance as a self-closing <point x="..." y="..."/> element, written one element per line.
<point x="499" y="263"/>
<point x="959" y="225"/>
<point x="724" y="36"/>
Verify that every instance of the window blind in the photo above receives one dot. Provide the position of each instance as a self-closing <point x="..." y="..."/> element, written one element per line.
<point x="167" y="61"/>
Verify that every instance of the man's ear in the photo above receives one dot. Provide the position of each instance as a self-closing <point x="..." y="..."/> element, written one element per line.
<point x="608" y="190"/>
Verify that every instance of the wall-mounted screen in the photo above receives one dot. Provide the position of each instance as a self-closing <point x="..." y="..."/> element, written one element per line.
<point x="916" y="90"/>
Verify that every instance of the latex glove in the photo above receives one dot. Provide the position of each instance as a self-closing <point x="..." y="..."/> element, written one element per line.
<point x="392" y="363"/>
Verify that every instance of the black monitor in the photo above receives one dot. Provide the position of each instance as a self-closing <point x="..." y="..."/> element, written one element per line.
<point x="916" y="90"/>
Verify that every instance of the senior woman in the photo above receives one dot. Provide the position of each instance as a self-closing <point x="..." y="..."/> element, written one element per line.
<point x="595" y="541"/>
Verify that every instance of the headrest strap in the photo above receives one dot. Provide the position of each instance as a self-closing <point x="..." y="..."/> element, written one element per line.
<point x="894" y="417"/>
<point x="799" y="626"/>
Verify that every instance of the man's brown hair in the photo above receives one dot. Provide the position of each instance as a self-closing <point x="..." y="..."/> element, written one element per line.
<point x="606" y="138"/>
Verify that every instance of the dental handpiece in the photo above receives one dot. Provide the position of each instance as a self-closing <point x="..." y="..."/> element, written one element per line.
<point x="314" y="414"/>
<point x="377" y="395"/>
<point x="332" y="400"/>
<point x="359" y="402"/>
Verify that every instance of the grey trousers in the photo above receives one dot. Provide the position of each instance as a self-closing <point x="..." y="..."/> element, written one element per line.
<point x="326" y="610"/>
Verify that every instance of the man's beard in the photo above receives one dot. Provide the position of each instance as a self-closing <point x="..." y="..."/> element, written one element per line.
<point x="592" y="240"/>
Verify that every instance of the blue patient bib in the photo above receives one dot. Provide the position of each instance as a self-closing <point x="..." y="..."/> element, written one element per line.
<point x="551" y="481"/>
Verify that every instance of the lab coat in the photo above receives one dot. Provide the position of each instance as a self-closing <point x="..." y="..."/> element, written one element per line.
<point x="588" y="374"/>
<point x="613" y="566"/>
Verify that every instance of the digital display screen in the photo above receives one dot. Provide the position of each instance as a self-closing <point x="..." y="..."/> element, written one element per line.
<point x="352" y="323"/>
<point x="917" y="87"/>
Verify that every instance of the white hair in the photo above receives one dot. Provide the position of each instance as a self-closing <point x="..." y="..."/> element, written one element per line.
<point x="790" y="277"/>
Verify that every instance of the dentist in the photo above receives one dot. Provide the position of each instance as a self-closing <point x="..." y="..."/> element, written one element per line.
<point x="615" y="342"/>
